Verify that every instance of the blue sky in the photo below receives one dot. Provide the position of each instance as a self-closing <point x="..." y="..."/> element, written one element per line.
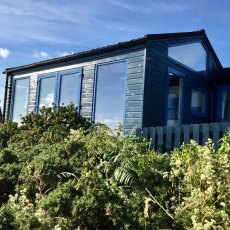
<point x="35" y="30"/>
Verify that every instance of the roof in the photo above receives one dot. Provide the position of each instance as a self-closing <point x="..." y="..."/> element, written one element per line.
<point x="141" y="40"/>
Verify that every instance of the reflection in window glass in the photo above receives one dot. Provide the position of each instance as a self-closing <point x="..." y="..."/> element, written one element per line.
<point x="21" y="93"/>
<point x="198" y="101"/>
<point x="226" y="106"/>
<point x="46" y="94"/>
<point x="70" y="89"/>
<point x="192" y="55"/>
<point x="110" y="94"/>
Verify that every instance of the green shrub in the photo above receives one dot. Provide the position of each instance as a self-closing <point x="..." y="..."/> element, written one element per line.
<point x="57" y="172"/>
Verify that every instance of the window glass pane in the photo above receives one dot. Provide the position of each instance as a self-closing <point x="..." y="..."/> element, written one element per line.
<point x="192" y="55"/>
<point x="46" y="94"/>
<point x="70" y="89"/>
<point x="174" y="100"/>
<point x="21" y="94"/>
<point x="226" y="106"/>
<point x="110" y="94"/>
<point x="198" y="101"/>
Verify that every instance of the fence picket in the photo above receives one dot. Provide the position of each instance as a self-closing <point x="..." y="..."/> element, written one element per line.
<point x="159" y="144"/>
<point x="215" y="129"/>
<point x="177" y="133"/>
<point x="195" y="132"/>
<point x="145" y="133"/>
<point x="168" y="137"/>
<point x="186" y="134"/>
<point x="152" y="134"/>
<point x="205" y="133"/>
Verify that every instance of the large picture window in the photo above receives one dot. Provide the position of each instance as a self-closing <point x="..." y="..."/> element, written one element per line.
<point x="60" y="88"/>
<point x="110" y="94"/>
<point x="20" y="102"/>
<point x="192" y="55"/>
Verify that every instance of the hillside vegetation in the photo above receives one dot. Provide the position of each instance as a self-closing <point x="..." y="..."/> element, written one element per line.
<point x="59" y="172"/>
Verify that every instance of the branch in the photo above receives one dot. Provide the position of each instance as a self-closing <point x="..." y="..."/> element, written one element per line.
<point x="155" y="201"/>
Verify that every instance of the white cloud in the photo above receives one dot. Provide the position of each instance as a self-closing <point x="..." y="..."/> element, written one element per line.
<point x="4" y="53"/>
<point x="41" y="55"/>
<point x="151" y="6"/>
<point x="65" y="54"/>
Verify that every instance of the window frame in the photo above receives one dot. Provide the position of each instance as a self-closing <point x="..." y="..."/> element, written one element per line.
<point x="220" y="90"/>
<point x="13" y="95"/>
<point x="185" y="66"/>
<point x="182" y="76"/>
<point x="67" y="72"/>
<point x="95" y="88"/>
<point x="205" y="96"/>
<point x="58" y="75"/>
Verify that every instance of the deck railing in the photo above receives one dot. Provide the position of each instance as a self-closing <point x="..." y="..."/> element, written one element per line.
<point x="165" y="139"/>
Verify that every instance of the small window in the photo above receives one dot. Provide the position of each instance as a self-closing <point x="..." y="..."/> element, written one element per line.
<point x="59" y="88"/>
<point x="198" y="104"/>
<point x="20" y="103"/>
<point x="192" y="55"/>
<point x="110" y="94"/>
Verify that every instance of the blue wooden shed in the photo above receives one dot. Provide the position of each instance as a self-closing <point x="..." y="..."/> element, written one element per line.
<point x="156" y="80"/>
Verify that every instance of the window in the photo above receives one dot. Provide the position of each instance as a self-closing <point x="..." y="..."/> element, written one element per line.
<point x="60" y="88"/>
<point x="20" y="103"/>
<point x="46" y="95"/>
<point x="110" y="94"/>
<point x="198" y="103"/>
<point x="192" y="55"/>
<point x="225" y="107"/>
<point x="70" y="86"/>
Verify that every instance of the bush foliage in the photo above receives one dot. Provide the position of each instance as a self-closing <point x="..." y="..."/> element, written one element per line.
<point x="58" y="172"/>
